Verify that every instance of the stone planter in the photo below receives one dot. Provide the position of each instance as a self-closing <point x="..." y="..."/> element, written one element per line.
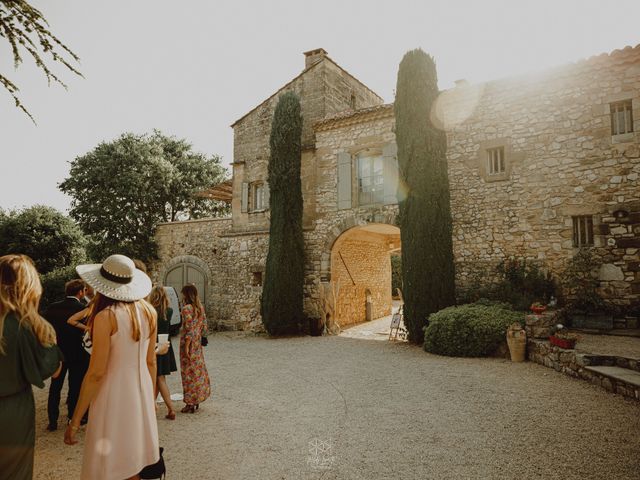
<point x="566" y="343"/>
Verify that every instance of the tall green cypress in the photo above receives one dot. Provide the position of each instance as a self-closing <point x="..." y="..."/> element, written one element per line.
<point x="282" y="293"/>
<point x="425" y="213"/>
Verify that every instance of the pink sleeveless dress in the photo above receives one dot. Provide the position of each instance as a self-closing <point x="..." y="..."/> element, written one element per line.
<point x="122" y="433"/>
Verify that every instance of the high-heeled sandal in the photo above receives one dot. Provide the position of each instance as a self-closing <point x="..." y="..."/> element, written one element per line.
<point x="171" y="415"/>
<point x="188" y="409"/>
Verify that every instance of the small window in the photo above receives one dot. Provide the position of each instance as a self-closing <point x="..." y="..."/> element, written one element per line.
<point x="370" y="180"/>
<point x="352" y="101"/>
<point x="256" y="279"/>
<point x="495" y="161"/>
<point x="583" y="231"/>
<point x="257" y="196"/>
<point x="621" y="118"/>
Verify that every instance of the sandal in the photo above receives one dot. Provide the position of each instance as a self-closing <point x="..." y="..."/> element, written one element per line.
<point x="171" y="415"/>
<point x="188" y="409"/>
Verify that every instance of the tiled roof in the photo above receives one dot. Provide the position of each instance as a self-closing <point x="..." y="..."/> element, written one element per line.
<point x="352" y="116"/>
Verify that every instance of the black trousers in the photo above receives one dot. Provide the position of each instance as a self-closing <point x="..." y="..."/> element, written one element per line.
<point x="76" y="371"/>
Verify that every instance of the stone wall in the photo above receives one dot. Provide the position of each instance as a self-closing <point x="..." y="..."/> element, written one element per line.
<point x="562" y="161"/>
<point x="234" y="262"/>
<point x="361" y="267"/>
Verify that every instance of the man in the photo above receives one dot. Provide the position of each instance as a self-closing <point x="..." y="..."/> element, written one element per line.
<point x="76" y="360"/>
<point x="88" y="295"/>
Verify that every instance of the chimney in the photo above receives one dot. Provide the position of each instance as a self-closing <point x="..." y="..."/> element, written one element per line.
<point x="313" y="56"/>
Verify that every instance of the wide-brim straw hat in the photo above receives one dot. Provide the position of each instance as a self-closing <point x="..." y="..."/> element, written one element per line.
<point x="116" y="278"/>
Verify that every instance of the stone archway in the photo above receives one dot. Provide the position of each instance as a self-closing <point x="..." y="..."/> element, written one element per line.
<point x="358" y="270"/>
<point x="185" y="269"/>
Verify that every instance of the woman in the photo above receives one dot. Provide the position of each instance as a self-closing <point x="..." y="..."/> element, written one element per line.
<point x="28" y="355"/>
<point x="122" y="433"/>
<point x="195" y="379"/>
<point x="167" y="362"/>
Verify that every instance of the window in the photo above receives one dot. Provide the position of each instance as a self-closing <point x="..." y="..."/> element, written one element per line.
<point x="583" y="231"/>
<point x="495" y="161"/>
<point x="256" y="279"/>
<point x="257" y="196"/>
<point x="352" y="101"/>
<point x="621" y="117"/>
<point x="370" y="180"/>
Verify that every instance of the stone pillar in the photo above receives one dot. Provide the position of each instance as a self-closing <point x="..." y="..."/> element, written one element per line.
<point x="541" y="326"/>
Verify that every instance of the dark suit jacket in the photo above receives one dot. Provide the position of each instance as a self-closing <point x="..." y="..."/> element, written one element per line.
<point x="69" y="337"/>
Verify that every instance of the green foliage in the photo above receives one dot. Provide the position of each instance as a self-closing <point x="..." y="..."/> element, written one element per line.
<point x="122" y="189"/>
<point x="53" y="285"/>
<point x="396" y="273"/>
<point x="25" y="28"/>
<point x="469" y="330"/>
<point x="425" y="213"/>
<point x="50" y="238"/>
<point x="282" y="293"/>
<point x="520" y="283"/>
<point x="581" y="283"/>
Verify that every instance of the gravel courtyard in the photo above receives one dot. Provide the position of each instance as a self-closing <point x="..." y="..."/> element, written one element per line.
<point x="347" y="408"/>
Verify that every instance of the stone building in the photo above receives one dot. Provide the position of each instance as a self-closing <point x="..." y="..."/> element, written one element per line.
<point x="539" y="165"/>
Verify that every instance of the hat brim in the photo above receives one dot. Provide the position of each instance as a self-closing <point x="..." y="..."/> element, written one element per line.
<point x="139" y="286"/>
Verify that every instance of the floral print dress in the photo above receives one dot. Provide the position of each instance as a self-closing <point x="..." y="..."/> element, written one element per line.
<point x="195" y="378"/>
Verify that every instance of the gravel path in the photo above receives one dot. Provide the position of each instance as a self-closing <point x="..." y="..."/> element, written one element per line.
<point x="381" y="410"/>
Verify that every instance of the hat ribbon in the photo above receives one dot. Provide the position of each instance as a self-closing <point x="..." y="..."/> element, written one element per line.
<point x="113" y="278"/>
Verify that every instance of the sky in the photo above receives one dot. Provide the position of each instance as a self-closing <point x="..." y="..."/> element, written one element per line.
<point x="191" y="68"/>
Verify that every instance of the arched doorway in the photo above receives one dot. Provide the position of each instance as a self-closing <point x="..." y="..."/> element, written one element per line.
<point x="181" y="274"/>
<point x="361" y="272"/>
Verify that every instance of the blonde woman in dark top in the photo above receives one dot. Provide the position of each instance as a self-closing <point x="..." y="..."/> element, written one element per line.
<point x="167" y="362"/>
<point x="28" y="355"/>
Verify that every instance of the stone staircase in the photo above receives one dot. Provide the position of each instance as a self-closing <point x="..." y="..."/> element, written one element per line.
<point x="614" y="373"/>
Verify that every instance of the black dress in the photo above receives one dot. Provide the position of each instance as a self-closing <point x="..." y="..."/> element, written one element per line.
<point x="24" y="363"/>
<point x="167" y="362"/>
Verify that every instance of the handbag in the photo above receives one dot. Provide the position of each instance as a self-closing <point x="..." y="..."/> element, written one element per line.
<point x="87" y="343"/>
<point x="156" y="470"/>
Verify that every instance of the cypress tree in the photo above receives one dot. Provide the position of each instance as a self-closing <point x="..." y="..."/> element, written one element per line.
<point x="425" y="214"/>
<point x="282" y="293"/>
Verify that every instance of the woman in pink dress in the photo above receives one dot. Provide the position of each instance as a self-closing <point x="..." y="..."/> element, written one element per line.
<point x="195" y="379"/>
<point x="122" y="432"/>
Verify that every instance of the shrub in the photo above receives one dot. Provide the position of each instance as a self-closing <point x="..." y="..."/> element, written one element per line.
<point x="53" y="285"/>
<point x="468" y="330"/>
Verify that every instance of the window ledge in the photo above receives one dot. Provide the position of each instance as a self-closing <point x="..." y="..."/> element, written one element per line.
<point x="499" y="177"/>
<point x="623" y="138"/>
<point x="262" y="210"/>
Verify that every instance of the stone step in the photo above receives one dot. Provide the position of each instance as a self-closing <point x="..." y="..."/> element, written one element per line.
<point x="625" y="375"/>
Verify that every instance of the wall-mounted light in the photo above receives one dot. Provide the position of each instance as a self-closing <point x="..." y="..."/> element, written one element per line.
<point x="620" y="214"/>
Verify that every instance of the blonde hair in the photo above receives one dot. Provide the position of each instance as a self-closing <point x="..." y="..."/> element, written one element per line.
<point x="101" y="302"/>
<point x="159" y="300"/>
<point x="20" y="292"/>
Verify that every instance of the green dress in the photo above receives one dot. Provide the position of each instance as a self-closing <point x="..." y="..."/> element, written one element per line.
<point x="24" y="363"/>
<point x="166" y="363"/>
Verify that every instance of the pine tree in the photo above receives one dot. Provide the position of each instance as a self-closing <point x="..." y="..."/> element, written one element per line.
<point x="425" y="214"/>
<point x="282" y="293"/>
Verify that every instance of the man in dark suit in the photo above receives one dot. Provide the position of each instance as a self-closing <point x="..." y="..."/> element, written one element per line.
<point x="76" y="359"/>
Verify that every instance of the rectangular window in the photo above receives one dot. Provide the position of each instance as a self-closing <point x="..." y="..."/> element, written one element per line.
<point x="256" y="279"/>
<point x="621" y="118"/>
<point x="370" y="180"/>
<point x="258" y="196"/>
<point x="583" y="231"/>
<point x="495" y="161"/>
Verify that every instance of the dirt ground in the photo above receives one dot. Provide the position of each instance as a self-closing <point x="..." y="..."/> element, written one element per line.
<point x="628" y="347"/>
<point x="351" y="408"/>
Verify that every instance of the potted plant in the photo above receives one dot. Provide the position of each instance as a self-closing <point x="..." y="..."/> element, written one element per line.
<point x="563" y="338"/>
<point x="538" y="308"/>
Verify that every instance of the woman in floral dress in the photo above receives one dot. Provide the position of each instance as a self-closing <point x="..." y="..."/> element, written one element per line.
<point x="195" y="379"/>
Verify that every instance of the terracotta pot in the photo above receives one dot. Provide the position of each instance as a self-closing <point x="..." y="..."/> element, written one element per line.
<point x="566" y="343"/>
<point x="538" y="310"/>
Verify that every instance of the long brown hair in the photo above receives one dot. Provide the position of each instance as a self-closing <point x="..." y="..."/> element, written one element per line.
<point x="190" y="294"/>
<point x="159" y="300"/>
<point x="100" y="302"/>
<point x="20" y="292"/>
